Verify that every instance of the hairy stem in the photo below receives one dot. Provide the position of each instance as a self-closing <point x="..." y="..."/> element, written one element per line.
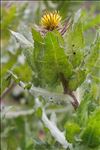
<point x="75" y="103"/>
<point x="67" y="91"/>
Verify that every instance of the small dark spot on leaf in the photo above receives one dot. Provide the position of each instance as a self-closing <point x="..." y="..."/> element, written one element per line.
<point x="73" y="45"/>
<point x="74" y="53"/>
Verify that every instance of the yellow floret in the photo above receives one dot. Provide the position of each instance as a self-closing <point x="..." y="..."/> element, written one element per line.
<point x="51" y="20"/>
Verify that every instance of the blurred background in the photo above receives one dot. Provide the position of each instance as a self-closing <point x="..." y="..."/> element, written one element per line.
<point x="20" y="129"/>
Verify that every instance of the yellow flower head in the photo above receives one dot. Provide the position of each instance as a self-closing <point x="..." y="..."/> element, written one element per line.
<point x="51" y="20"/>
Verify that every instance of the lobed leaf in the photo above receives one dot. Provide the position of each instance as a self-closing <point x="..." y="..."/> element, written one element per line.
<point x="54" y="60"/>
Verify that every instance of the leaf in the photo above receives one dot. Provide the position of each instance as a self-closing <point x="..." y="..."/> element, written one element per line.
<point x="5" y="67"/>
<point x="37" y="57"/>
<point x="7" y="20"/>
<point x="5" y="82"/>
<point x="38" y="49"/>
<point x="36" y="36"/>
<point x="11" y="18"/>
<point x="95" y="72"/>
<point x="28" y="86"/>
<point x="24" y="72"/>
<point x="95" y="88"/>
<point x="91" y="134"/>
<point x="28" y="48"/>
<point x="49" y="58"/>
<point x="77" y="16"/>
<point x="75" y="44"/>
<point x="76" y="79"/>
<point x="23" y="41"/>
<point x="16" y="79"/>
<point x="39" y="112"/>
<point x="72" y="129"/>
<point x="54" y="60"/>
<point x="28" y="53"/>
<point x="94" y="53"/>
<point x="92" y="22"/>
<point x="82" y="111"/>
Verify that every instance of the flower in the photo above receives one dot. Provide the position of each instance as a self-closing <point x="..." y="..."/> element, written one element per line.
<point x="50" y="20"/>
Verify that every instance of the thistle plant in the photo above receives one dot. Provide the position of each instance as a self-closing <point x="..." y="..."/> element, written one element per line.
<point x="58" y="58"/>
<point x="50" y="44"/>
<point x="61" y="64"/>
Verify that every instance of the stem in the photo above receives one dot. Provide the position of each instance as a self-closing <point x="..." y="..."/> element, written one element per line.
<point x="64" y="83"/>
<point x="7" y="91"/>
<point x="67" y="91"/>
<point x="15" y="114"/>
<point x="75" y="103"/>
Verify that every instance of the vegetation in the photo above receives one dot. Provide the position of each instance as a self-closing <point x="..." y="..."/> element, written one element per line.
<point x="50" y="75"/>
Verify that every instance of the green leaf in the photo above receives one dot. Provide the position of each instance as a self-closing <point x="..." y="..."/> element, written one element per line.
<point x="95" y="88"/>
<point x="7" y="66"/>
<point x="92" y="22"/>
<point x="11" y="18"/>
<point x="54" y="60"/>
<point x="91" y="134"/>
<point x="24" y="72"/>
<point x="7" y="19"/>
<point x="82" y="111"/>
<point x="16" y="79"/>
<point x="4" y="82"/>
<point x="28" y="53"/>
<point x="94" y="53"/>
<point x="75" y="44"/>
<point x="95" y="71"/>
<point x="38" y="49"/>
<point x="76" y="79"/>
<point x="49" y="58"/>
<point x="72" y="129"/>
<point x="39" y="112"/>
<point x="28" y="86"/>
<point x="37" y="57"/>
<point x="37" y="36"/>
